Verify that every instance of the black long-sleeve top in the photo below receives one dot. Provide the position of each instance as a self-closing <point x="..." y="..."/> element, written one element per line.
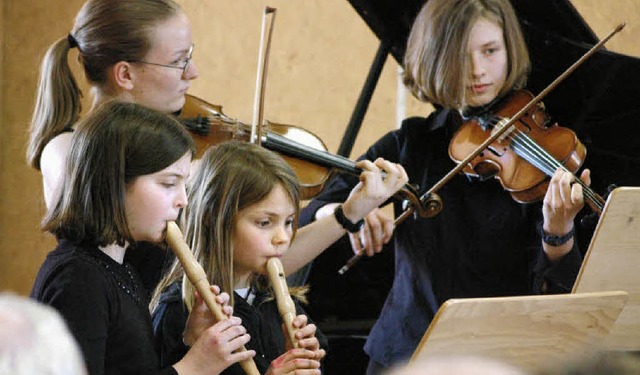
<point x="105" y="305"/>
<point x="260" y="318"/>
<point x="482" y="244"/>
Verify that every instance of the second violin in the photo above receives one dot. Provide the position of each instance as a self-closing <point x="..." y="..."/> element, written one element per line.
<point x="303" y="150"/>
<point x="209" y="126"/>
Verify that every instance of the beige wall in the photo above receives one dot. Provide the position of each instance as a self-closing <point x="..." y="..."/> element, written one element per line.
<point x="320" y="55"/>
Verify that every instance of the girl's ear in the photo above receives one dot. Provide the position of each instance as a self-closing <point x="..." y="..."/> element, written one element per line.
<point x="123" y="75"/>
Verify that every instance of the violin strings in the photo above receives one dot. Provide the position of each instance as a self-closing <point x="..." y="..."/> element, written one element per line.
<point x="533" y="150"/>
<point x="536" y="155"/>
<point x="529" y="149"/>
<point x="529" y="145"/>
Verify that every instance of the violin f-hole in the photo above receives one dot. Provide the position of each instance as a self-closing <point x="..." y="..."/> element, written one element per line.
<point x="498" y="152"/>
<point x="486" y="170"/>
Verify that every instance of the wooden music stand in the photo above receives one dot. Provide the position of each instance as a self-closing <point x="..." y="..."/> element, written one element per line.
<point x="613" y="263"/>
<point x="524" y="331"/>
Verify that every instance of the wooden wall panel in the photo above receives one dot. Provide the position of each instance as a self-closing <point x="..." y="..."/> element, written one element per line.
<point x="29" y="27"/>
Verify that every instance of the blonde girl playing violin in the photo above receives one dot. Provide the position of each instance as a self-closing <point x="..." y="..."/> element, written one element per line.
<point x="461" y="55"/>
<point x="243" y="209"/>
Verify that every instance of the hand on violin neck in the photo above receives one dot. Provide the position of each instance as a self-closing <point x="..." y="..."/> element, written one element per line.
<point x="379" y="181"/>
<point x="563" y="200"/>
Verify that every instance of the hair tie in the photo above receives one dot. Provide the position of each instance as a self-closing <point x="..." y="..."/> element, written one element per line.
<point x="73" y="43"/>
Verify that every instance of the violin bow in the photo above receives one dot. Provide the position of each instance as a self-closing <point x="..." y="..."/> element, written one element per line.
<point x="261" y="77"/>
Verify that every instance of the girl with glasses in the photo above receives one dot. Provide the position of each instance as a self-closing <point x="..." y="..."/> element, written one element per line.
<point x="140" y="51"/>
<point x="136" y="51"/>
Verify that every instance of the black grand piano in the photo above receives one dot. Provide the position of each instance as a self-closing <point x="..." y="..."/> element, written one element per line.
<point x="599" y="101"/>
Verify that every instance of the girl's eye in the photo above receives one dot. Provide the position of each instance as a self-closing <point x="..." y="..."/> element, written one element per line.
<point x="289" y="222"/>
<point x="181" y="61"/>
<point x="491" y="50"/>
<point x="263" y="223"/>
<point x="169" y="184"/>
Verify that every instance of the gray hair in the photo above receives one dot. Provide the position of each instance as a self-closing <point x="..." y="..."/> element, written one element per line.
<point x="35" y="340"/>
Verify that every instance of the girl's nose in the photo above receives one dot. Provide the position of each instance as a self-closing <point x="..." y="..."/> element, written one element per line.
<point x="477" y="68"/>
<point x="191" y="72"/>
<point x="181" y="199"/>
<point x="282" y="235"/>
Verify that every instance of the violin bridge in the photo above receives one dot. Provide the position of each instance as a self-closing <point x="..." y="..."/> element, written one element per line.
<point x="499" y="124"/>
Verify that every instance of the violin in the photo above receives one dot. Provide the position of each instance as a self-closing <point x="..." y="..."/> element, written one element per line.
<point x="525" y="155"/>
<point x="209" y="126"/>
<point x="303" y="150"/>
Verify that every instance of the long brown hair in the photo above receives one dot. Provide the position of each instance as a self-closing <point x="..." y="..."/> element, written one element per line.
<point x="105" y="32"/>
<point x="110" y="148"/>
<point x="229" y="177"/>
<point x="436" y="62"/>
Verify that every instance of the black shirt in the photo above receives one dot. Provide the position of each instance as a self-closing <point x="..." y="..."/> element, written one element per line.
<point x="105" y="306"/>
<point x="261" y="320"/>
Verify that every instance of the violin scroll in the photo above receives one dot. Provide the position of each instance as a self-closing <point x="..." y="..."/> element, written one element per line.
<point x="427" y="206"/>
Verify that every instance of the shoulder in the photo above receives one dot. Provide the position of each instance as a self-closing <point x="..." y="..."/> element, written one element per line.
<point x="52" y="162"/>
<point x="54" y="152"/>
<point x="71" y="265"/>
<point x="171" y="310"/>
<point x="171" y="314"/>
<point x="389" y="146"/>
<point x="418" y="128"/>
<point x="172" y="295"/>
<point x="69" y="279"/>
<point x="423" y="125"/>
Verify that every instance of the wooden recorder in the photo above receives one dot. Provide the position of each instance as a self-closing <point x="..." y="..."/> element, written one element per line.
<point x="195" y="273"/>
<point x="286" y="307"/>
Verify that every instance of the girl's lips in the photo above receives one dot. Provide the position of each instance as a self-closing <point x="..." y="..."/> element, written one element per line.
<point x="480" y="88"/>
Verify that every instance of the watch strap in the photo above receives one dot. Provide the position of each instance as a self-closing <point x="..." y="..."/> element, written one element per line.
<point x="345" y="222"/>
<point x="554" y="240"/>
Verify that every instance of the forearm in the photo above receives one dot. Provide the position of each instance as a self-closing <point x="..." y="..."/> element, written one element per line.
<point x="556" y="253"/>
<point x="366" y="196"/>
<point x="557" y="276"/>
<point x="311" y="240"/>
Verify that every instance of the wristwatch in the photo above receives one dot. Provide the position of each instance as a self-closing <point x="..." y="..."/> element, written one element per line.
<point x="346" y="223"/>
<point x="553" y="240"/>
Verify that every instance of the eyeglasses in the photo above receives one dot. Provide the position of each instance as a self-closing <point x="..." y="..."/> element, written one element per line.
<point x="181" y="64"/>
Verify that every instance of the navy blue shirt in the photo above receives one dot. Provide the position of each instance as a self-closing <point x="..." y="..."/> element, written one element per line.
<point x="482" y="244"/>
